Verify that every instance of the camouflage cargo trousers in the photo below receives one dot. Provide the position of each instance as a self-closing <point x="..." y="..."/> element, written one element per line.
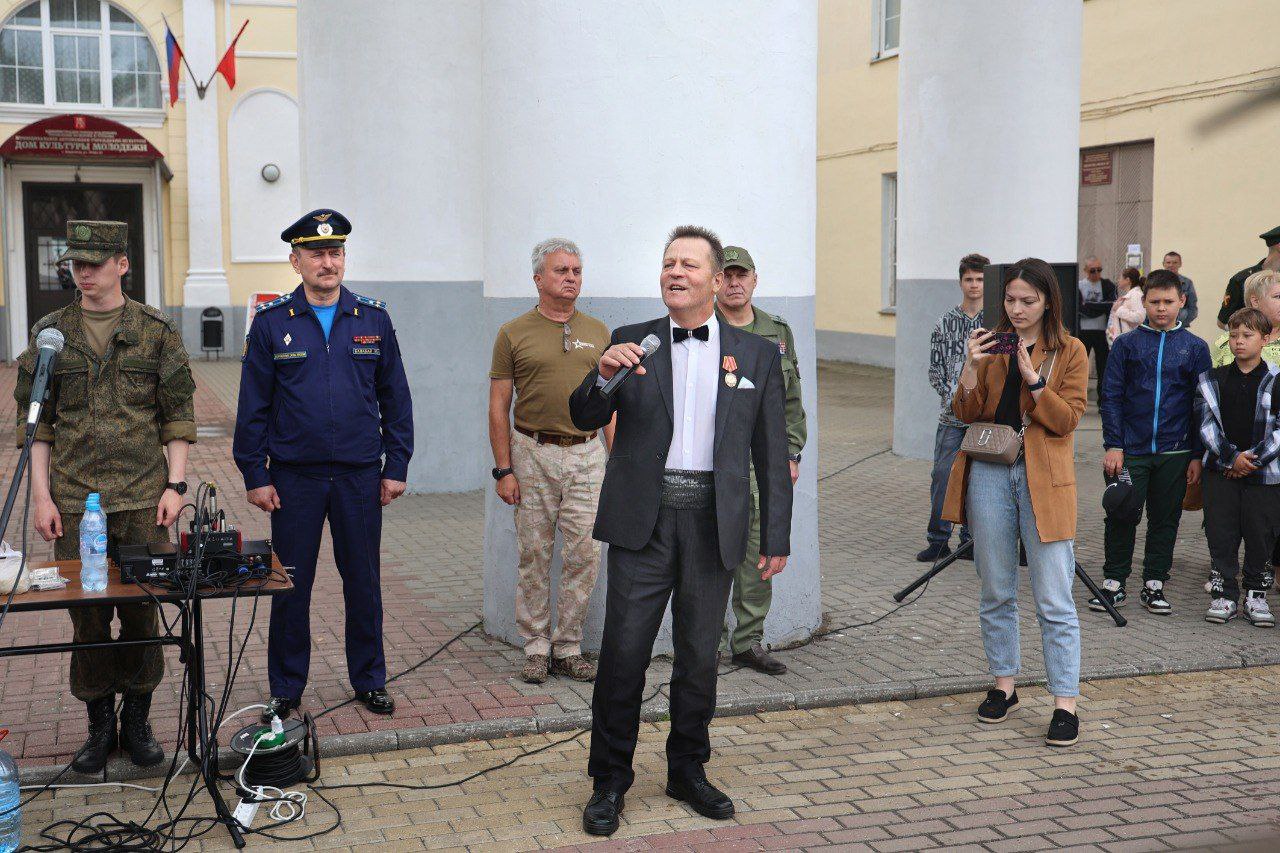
<point x="559" y="489"/>
<point x="102" y="672"/>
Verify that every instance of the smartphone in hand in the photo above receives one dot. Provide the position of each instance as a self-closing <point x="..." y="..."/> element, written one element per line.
<point x="1004" y="343"/>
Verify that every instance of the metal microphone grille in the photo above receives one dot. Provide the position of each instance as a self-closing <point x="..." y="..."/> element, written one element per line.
<point x="650" y="344"/>
<point x="52" y="339"/>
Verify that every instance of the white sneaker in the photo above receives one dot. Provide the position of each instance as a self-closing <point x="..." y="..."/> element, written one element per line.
<point x="1257" y="611"/>
<point x="1221" y="611"/>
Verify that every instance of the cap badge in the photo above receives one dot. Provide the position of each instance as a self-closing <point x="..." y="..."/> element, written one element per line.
<point x="288" y="339"/>
<point x="324" y="229"/>
<point x="731" y="255"/>
<point x="83" y="232"/>
<point x="322" y="217"/>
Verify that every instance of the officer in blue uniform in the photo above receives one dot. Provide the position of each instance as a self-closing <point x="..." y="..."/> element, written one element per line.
<point x="324" y="428"/>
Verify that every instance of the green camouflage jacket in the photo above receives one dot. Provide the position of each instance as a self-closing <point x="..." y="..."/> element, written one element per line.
<point x="108" y="419"/>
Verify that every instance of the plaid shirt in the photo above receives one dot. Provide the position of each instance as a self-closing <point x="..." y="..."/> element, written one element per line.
<point x="1220" y="454"/>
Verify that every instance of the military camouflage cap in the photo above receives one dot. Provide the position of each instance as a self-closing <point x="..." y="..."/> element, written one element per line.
<point x="736" y="256"/>
<point x="94" y="242"/>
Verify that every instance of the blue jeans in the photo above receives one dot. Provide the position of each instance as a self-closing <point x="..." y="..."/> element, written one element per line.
<point x="945" y="447"/>
<point x="998" y="506"/>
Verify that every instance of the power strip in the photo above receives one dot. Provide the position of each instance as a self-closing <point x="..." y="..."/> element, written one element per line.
<point x="245" y="812"/>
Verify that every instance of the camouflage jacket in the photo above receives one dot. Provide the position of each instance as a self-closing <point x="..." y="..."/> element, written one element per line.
<point x="108" y="418"/>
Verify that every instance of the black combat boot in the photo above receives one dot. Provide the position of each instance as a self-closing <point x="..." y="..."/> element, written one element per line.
<point x="102" y="736"/>
<point x="135" y="732"/>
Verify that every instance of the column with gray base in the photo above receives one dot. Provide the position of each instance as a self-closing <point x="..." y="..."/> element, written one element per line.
<point x="988" y="154"/>
<point x="664" y="113"/>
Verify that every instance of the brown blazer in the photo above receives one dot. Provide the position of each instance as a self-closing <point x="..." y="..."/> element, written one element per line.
<point x="1048" y="442"/>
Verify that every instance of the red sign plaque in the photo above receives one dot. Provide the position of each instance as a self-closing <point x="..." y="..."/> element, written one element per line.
<point x="79" y="137"/>
<point x="1095" y="168"/>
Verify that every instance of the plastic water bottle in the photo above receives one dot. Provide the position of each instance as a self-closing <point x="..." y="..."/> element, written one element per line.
<point x="93" y="546"/>
<point x="10" y="796"/>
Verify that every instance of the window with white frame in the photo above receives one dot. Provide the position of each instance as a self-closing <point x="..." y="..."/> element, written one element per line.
<point x="886" y="26"/>
<point x="77" y="52"/>
<point x="889" y="243"/>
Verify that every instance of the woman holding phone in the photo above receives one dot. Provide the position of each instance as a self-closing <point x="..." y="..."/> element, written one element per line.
<point x="1040" y="390"/>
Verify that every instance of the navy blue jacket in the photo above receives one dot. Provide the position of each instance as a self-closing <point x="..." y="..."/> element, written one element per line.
<point x="314" y="404"/>
<point x="1149" y="391"/>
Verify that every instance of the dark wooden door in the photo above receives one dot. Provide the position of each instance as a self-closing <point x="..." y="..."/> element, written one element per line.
<point x="46" y="209"/>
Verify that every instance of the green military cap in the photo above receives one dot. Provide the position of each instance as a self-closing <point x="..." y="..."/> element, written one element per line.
<point x="1271" y="237"/>
<point x="94" y="242"/>
<point x="736" y="256"/>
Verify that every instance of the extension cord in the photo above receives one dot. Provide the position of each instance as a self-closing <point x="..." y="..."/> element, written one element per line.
<point x="245" y="812"/>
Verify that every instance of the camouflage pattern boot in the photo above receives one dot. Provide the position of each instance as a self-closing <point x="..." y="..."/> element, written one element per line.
<point x="535" y="669"/>
<point x="575" y="666"/>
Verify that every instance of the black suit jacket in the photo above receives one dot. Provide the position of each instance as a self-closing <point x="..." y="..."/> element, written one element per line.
<point x="750" y="425"/>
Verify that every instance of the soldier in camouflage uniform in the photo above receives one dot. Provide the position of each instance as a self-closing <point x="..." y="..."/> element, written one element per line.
<point x="752" y="595"/>
<point x="119" y="419"/>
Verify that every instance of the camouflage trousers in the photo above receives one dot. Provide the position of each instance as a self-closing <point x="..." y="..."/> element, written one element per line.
<point x="559" y="489"/>
<point x="102" y="672"/>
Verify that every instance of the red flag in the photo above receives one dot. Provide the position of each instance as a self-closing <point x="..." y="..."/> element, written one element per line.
<point x="227" y="65"/>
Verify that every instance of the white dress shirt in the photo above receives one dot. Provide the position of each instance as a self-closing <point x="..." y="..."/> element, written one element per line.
<point x="695" y="371"/>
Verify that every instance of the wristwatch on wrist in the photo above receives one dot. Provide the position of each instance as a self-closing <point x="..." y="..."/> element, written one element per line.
<point x="499" y="473"/>
<point x="180" y="488"/>
<point x="1039" y="383"/>
<point x="794" y="457"/>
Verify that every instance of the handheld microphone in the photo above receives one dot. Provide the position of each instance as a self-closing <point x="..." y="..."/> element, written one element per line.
<point x="50" y="343"/>
<point x="650" y="345"/>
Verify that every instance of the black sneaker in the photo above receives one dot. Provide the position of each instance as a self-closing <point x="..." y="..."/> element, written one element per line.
<point x="1153" y="598"/>
<point x="997" y="706"/>
<point x="935" y="552"/>
<point x="1064" y="728"/>
<point x="1113" y="591"/>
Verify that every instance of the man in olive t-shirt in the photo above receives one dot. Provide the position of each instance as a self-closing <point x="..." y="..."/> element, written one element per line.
<point x="548" y="469"/>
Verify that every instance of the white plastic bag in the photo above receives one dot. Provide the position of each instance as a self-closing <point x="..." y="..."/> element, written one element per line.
<point x="10" y="562"/>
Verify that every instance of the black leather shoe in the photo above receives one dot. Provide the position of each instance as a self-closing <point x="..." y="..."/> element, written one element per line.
<point x="377" y="701"/>
<point x="600" y="817"/>
<point x="935" y="552"/>
<point x="705" y="799"/>
<point x="279" y="707"/>
<point x="102" y="736"/>
<point x="758" y="659"/>
<point x="135" y="731"/>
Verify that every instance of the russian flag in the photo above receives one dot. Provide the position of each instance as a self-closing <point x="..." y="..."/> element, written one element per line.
<point x="174" y="54"/>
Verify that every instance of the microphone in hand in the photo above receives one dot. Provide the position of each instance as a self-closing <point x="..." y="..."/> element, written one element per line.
<point x="648" y="347"/>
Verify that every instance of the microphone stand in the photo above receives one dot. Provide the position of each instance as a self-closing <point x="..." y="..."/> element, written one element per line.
<point x="968" y="546"/>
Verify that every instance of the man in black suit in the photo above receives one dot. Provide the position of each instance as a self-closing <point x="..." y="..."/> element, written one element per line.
<point x="674" y="508"/>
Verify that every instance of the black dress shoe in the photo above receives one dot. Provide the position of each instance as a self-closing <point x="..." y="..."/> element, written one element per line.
<point x="279" y="707"/>
<point x="705" y="799"/>
<point x="102" y="736"/>
<point x="758" y="659"/>
<point x="135" y="731"/>
<point x="600" y="817"/>
<point x="934" y="553"/>
<point x="377" y="701"/>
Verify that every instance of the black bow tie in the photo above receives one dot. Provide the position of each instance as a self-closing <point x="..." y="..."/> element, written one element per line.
<point x="678" y="334"/>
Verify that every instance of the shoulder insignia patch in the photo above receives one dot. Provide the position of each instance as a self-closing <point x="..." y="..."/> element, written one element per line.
<point x="274" y="303"/>
<point x="372" y="303"/>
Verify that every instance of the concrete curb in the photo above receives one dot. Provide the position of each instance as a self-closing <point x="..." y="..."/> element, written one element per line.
<point x="336" y="746"/>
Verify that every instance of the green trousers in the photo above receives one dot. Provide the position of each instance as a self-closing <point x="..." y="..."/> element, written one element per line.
<point x="1159" y="483"/>
<point x="135" y="669"/>
<point x="751" y="596"/>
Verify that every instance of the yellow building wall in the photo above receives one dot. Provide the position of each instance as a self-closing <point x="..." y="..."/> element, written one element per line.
<point x="1186" y="74"/>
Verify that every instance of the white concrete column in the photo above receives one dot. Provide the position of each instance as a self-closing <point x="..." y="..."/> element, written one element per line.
<point x="988" y="156"/>
<point x="610" y="123"/>
<point x="206" y="280"/>
<point x="391" y="137"/>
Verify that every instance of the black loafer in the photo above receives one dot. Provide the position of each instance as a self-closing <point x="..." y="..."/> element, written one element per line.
<point x="703" y="797"/>
<point x="377" y="701"/>
<point x="600" y="817"/>
<point x="279" y="707"/>
<point x="1064" y="728"/>
<point x="997" y="707"/>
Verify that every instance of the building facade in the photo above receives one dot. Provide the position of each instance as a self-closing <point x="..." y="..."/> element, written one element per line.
<point x="87" y="131"/>
<point x="1178" y="106"/>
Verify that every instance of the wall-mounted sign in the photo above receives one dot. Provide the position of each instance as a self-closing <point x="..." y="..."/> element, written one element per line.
<point x="80" y="137"/>
<point x="1095" y="168"/>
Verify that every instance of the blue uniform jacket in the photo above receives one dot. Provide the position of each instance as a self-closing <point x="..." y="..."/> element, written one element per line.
<point x="1149" y="391"/>
<point x="311" y="404"/>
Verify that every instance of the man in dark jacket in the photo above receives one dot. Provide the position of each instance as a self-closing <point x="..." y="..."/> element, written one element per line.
<point x="1148" y="427"/>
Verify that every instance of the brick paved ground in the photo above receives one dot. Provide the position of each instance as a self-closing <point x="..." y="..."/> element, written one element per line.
<point x="873" y="509"/>
<point x="1170" y="762"/>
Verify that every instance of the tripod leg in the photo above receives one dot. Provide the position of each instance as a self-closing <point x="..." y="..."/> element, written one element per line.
<point x="1097" y="593"/>
<point x="937" y="569"/>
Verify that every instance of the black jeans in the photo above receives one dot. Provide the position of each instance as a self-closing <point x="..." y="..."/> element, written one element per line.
<point x="1236" y="510"/>
<point x="1095" y="341"/>
<point x="681" y="562"/>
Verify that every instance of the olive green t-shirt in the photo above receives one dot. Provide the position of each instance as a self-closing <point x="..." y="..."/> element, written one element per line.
<point x="531" y="351"/>
<point x="99" y="326"/>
